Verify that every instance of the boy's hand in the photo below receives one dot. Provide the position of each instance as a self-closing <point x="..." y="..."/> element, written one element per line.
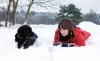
<point x="57" y="43"/>
<point x="68" y="45"/>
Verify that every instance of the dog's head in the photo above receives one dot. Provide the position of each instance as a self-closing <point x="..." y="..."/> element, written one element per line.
<point x="24" y="31"/>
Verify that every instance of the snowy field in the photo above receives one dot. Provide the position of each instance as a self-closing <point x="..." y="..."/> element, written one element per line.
<point x="43" y="50"/>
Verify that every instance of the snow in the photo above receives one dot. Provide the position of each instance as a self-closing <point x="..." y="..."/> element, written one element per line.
<point x="43" y="50"/>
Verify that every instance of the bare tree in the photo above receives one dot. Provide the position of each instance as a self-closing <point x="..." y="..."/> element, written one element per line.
<point x="41" y="3"/>
<point x="14" y="4"/>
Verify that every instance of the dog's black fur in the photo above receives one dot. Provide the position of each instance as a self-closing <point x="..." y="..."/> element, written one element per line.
<point x="25" y="37"/>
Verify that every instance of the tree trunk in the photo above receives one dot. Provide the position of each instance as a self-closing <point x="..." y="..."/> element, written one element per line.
<point x="28" y="10"/>
<point x="15" y="4"/>
<point x="7" y="13"/>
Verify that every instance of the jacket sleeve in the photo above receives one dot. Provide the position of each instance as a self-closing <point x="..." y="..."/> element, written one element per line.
<point x="82" y="38"/>
<point x="85" y="34"/>
<point x="80" y="41"/>
<point x="56" y="38"/>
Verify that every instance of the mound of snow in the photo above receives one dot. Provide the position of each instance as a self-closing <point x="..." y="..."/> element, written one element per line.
<point x="86" y="24"/>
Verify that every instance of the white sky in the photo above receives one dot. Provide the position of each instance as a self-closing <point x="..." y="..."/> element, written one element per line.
<point x="84" y="5"/>
<point x="43" y="50"/>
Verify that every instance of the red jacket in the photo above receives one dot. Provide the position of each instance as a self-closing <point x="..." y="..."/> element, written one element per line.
<point x="79" y="37"/>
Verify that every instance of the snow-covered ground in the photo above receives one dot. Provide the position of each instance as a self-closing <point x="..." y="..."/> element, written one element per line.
<point x="43" y="50"/>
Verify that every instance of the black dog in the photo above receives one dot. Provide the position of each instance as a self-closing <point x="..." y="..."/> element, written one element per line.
<point x="25" y="37"/>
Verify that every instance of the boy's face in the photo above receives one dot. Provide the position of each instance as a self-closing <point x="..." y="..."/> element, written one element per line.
<point x="63" y="32"/>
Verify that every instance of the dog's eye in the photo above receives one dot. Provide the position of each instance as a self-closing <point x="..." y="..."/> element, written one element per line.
<point x="27" y="30"/>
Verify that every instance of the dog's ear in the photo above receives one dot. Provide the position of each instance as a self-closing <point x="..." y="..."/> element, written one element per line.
<point x="19" y="31"/>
